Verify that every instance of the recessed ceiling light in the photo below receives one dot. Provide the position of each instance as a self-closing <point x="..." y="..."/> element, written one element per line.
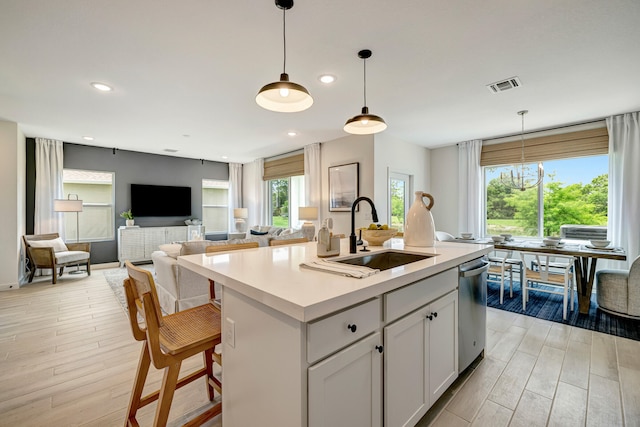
<point x="87" y="138"/>
<point x="292" y="133"/>
<point x="327" y="78"/>
<point x="225" y="157"/>
<point x="102" y="87"/>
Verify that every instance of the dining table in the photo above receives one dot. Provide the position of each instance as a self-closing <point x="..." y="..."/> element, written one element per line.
<point x="585" y="260"/>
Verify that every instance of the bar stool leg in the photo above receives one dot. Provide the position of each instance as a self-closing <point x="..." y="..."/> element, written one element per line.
<point x="138" y="385"/>
<point x="167" y="390"/>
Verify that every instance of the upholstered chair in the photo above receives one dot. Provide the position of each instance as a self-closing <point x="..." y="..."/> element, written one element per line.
<point x="618" y="291"/>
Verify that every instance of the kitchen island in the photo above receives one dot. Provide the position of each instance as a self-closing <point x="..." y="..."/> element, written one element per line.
<point x="304" y="347"/>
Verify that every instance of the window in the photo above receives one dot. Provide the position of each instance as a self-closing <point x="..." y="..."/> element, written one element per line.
<point x="399" y="199"/>
<point x="573" y="191"/>
<point x="215" y="206"/>
<point x="286" y="195"/>
<point x="97" y="219"/>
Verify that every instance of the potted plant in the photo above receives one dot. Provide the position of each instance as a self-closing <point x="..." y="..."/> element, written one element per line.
<point x="128" y="216"/>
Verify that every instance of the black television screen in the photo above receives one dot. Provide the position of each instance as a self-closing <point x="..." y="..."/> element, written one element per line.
<point x="160" y="200"/>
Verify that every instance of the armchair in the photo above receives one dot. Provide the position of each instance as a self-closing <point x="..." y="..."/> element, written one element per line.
<point x="49" y="251"/>
<point x="618" y="291"/>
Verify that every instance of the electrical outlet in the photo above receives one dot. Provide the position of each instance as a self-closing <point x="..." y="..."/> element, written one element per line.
<point x="230" y="333"/>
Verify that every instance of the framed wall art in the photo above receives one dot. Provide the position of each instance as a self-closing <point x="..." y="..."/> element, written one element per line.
<point x="343" y="187"/>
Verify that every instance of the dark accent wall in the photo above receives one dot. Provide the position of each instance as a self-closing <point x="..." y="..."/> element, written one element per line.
<point x="130" y="167"/>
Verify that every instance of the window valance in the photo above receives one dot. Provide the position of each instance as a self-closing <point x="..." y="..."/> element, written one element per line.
<point x="589" y="142"/>
<point x="283" y="167"/>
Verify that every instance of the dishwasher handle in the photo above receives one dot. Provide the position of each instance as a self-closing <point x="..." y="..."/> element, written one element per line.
<point x="476" y="271"/>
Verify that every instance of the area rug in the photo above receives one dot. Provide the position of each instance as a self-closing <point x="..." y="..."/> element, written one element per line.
<point x="115" y="277"/>
<point x="549" y="307"/>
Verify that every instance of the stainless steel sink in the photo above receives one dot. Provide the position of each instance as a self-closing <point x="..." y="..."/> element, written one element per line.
<point x="384" y="260"/>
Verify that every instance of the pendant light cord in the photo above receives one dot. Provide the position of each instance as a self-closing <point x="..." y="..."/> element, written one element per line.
<point x="284" y="40"/>
<point x="365" y="81"/>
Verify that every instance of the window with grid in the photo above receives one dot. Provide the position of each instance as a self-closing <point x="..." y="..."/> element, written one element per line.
<point x="97" y="219"/>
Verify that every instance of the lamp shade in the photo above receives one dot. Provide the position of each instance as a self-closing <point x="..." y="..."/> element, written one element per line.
<point x="241" y="213"/>
<point x="284" y="96"/>
<point x="365" y="123"/>
<point x="64" y="205"/>
<point x="308" y="213"/>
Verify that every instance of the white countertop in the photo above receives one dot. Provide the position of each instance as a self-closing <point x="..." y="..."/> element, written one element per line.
<point x="273" y="276"/>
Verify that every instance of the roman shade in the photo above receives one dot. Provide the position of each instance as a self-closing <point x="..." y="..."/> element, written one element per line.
<point x="283" y="167"/>
<point x="589" y="142"/>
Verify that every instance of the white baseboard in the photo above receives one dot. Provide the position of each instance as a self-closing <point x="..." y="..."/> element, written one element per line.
<point x="8" y="286"/>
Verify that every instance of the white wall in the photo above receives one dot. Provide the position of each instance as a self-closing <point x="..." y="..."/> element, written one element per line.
<point x="394" y="155"/>
<point x="12" y="210"/>
<point x="444" y="188"/>
<point x="350" y="149"/>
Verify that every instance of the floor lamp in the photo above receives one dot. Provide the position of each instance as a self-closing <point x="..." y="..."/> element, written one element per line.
<point x="70" y="205"/>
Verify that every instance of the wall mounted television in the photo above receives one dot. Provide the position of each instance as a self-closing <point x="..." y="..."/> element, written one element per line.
<point x="160" y="200"/>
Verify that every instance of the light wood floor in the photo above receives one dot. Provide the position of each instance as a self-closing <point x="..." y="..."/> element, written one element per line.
<point x="67" y="358"/>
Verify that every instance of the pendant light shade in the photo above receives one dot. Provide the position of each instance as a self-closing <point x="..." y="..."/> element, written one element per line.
<point x="365" y="123"/>
<point x="284" y="96"/>
<point x="521" y="177"/>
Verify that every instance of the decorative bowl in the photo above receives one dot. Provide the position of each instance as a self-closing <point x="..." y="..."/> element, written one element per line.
<point x="378" y="237"/>
<point x="600" y="243"/>
<point x="498" y="239"/>
<point x="550" y="242"/>
<point x="553" y="238"/>
<point x="506" y="236"/>
<point x="466" y="235"/>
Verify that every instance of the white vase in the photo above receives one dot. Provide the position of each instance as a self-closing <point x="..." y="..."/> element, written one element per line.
<point x="130" y="222"/>
<point x="419" y="229"/>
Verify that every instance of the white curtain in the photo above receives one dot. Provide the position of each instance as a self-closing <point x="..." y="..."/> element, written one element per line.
<point x="624" y="184"/>
<point x="313" y="177"/>
<point x="49" y="165"/>
<point x="235" y="191"/>
<point x="259" y="203"/>
<point x="470" y="207"/>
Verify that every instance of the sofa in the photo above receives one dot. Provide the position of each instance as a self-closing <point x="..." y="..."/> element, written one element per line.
<point x="179" y="288"/>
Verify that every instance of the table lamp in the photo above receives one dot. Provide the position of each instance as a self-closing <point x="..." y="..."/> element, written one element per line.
<point x="308" y="214"/>
<point x="240" y="214"/>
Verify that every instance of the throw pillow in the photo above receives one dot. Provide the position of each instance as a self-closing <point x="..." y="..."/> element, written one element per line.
<point x="171" y="249"/>
<point x="258" y="233"/>
<point x="57" y="244"/>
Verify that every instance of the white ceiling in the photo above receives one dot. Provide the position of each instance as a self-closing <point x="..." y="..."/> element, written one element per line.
<point x="193" y="67"/>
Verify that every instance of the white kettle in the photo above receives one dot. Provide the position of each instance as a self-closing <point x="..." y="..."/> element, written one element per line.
<point x="419" y="229"/>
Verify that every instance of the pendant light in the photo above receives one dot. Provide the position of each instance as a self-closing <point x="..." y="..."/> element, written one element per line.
<point x="520" y="176"/>
<point x="365" y="123"/>
<point x="284" y="96"/>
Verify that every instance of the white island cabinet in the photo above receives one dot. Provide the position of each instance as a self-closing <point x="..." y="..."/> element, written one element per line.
<point x="309" y="348"/>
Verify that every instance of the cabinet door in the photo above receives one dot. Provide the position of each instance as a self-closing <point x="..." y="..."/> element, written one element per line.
<point x="406" y="369"/>
<point x="346" y="388"/>
<point x="153" y="238"/>
<point x="443" y="345"/>
<point x="130" y="244"/>
<point x="177" y="234"/>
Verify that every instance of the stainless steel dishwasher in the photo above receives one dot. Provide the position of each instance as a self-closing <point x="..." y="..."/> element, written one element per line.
<point x="472" y="311"/>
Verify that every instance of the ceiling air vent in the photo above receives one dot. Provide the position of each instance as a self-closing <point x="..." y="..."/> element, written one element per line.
<point x="501" y="86"/>
<point x="170" y="150"/>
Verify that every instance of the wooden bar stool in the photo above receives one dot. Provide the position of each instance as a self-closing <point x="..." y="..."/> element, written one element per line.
<point x="168" y="341"/>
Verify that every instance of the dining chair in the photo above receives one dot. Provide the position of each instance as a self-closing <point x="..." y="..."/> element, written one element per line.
<point x="167" y="341"/>
<point x="618" y="291"/>
<point x="557" y="276"/>
<point x="499" y="266"/>
<point x="443" y="236"/>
